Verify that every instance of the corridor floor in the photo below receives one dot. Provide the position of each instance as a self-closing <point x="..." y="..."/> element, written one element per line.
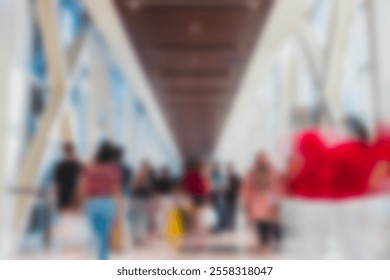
<point x="221" y="246"/>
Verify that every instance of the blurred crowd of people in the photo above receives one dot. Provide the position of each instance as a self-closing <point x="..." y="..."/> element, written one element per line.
<point x="325" y="196"/>
<point x="153" y="203"/>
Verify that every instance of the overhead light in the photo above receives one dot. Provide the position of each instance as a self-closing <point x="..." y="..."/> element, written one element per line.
<point x="195" y="27"/>
<point x="194" y="61"/>
<point x="133" y="5"/>
<point x="253" y="4"/>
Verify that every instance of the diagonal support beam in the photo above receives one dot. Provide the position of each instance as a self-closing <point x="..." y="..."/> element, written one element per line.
<point x="58" y="74"/>
<point x="106" y="19"/>
<point x="335" y="57"/>
<point x="288" y="83"/>
<point x="281" y="24"/>
<point x="99" y="93"/>
<point x="379" y="101"/>
<point x="314" y="53"/>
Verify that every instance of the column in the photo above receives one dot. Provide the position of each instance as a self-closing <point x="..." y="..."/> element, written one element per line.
<point x="15" y="30"/>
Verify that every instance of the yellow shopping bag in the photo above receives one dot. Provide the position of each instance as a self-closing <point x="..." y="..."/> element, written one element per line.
<point x="175" y="228"/>
<point x="117" y="237"/>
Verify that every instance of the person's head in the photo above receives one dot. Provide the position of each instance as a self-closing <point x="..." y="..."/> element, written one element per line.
<point x="118" y="154"/>
<point x="261" y="158"/>
<point x="215" y="167"/>
<point x="190" y="164"/>
<point x="146" y="166"/>
<point x="164" y="172"/>
<point x="230" y="169"/>
<point x="105" y="153"/>
<point x="261" y="162"/>
<point x="356" y="129"/>
<point x="68" y="150"/>
<point x="177" y="188"/>
<point x="145" y="173"/>
<point x="203" y="167"/>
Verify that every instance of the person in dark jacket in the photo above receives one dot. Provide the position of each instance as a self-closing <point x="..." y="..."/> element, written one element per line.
<point x="127" y="174"/>
<point x="232" y="191"/>
<point x="66" y="176"/>
<point x="163" y="187"/>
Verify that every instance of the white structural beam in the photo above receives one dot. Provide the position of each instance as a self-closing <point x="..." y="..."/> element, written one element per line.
<point x="107" y="21"/>
<point x="67" y="132"/>
<point x="282" y="23"/>
<point x="128" y="129"/>
<point x="7" y="15"/>
<point x="314" y="52"/>
<point x="379" y="34"/>
<point x="59" y="84"/>
<point x="327" y="67"/>
<point x="285" y="97"/>
<point x="335" y="58"/>
<point x="284" y="106"/>
<point x="373" y="53"/>
<point x="101" y="85"/>
<point x="92" y="99"/>
<point x="15" y="21"/>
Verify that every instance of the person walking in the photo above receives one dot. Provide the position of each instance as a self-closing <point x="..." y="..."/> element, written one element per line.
<point x="232" y="192"/>
<point x="260" y="200"/>
<point x="140" y="212"/>
<point x="101" y="192"/>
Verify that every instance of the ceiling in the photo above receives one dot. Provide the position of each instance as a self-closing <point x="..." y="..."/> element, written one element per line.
<point x="194" y="53"/>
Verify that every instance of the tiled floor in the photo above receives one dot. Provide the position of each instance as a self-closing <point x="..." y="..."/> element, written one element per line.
<point x="221" y="246"/>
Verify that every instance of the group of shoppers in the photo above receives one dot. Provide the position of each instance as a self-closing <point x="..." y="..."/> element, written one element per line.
<point x="318" y="198"/>
<point x="111" y="195"/>
<point x="258" y="196"/>
<point x="211" y="191"/>
<point x="95" y="186"/>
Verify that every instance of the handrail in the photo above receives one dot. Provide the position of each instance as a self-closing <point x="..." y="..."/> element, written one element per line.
<point x="27" y="191"/>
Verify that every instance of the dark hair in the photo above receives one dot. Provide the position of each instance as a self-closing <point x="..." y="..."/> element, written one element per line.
<point x="118" y="153"/>
<point x="192" y="163"/>
<point x="105" y="153"/>
<point x="68" y="148"/>
<point x="357" y="127"/>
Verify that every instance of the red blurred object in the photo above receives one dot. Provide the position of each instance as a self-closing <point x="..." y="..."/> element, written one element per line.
<point x="353" y="162"/>
<point x="195" y="183"/>
<point x="382" y="144"/>
<point x="338" y="172"/>
<point x="315" y="177"/>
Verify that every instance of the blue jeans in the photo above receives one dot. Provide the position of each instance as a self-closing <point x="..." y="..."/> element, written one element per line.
<point x="222" y="211"/>
<point x="139" y="217"/>
<point x="101" y="214"/>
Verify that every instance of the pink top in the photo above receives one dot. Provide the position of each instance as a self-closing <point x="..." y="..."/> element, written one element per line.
<point x="102" y="180"/>
<point x="261" y="204"/>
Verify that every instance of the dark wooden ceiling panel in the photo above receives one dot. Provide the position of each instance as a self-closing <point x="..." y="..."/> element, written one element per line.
<point x="197" y="63"/>
<point x="194" y="53"/>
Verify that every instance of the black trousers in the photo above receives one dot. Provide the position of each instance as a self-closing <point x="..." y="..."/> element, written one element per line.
<point x="268" y="232"/>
